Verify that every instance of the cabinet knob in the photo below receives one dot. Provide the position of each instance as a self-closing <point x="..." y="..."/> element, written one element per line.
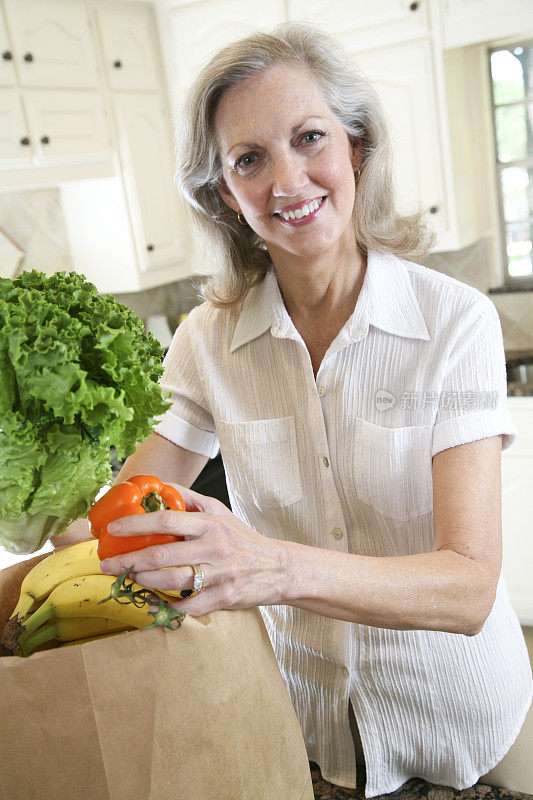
<point x="28" y="57"/>
<point x="150" y="247"/>
<point x="414" y="6"/>
<point x="433" y="209"/>
<point x="117" y="64"/>
<point x="45" y="140"/>
<point x="25" y="141"/>
<point x="7" y="55"/>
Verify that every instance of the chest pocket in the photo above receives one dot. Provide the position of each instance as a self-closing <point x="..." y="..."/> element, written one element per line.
<point x="261" y="460"/>
<point x="393" y="469"/>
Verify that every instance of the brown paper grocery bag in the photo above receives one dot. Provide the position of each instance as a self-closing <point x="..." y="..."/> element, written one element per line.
<point x="197" y="713"/>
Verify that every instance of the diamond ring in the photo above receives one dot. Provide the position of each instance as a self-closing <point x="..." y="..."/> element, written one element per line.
<point x="198" y="577"/>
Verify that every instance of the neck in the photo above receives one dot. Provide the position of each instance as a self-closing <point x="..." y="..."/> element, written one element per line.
<point x="319" y="288"/>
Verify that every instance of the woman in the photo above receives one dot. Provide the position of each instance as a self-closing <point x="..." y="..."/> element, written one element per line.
<point x="359" y="402"/>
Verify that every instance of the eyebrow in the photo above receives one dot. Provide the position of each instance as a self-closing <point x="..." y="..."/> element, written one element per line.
<point x="295" y="129"/>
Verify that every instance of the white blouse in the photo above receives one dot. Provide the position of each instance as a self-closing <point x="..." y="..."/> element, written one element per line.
<point x="344" y="462"/>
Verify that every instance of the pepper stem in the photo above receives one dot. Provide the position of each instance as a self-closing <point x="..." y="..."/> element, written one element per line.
<point x="154" y="502"/>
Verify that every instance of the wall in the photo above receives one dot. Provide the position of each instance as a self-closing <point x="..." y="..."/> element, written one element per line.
<point x="473" y="265"/>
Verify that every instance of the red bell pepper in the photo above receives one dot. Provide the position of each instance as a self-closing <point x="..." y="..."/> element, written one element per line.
<point x="140" y="494"/>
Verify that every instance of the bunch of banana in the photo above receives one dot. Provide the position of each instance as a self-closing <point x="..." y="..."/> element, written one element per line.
<point x="60" y="603"/>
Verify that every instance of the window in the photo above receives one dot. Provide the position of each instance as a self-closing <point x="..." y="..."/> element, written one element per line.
<point x="511" y="70"/>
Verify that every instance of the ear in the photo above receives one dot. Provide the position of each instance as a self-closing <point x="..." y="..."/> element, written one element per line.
<point x="357" y="154"/>
<point x="226" y="195"/>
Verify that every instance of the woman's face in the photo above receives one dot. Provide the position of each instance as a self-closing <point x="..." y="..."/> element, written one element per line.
<point x="282" y="147"/>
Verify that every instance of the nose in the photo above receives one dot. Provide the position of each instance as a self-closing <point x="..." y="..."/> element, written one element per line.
<point x="289" y="176"/>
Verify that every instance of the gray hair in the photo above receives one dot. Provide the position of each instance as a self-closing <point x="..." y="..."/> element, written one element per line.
<point x="239" y="256"/>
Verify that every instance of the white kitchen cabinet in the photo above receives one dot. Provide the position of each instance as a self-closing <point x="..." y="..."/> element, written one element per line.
<point x="7" y="67"/>
<point x="365" y="24"/>
<point x="129" y="44"/>
<point x="403" y="76"/>
<point x="51" y="42"/>
<point x="100" y="132"/>
<point x="15" y="145"/>
<point x="517" y="510"/>
<point x="66" y="126"/>
<point x="144" y="134"/>
<point x="192" y="32"/>
<point x="471" y="21"/>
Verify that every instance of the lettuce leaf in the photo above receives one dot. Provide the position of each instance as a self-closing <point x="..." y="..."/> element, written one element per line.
<point x="78" y="374"/>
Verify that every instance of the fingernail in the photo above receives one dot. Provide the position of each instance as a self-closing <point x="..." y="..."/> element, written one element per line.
<point x="104" y="565"/>
<point x="113" y="527"/>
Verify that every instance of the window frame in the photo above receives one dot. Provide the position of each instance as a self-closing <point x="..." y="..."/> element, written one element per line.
<point x="510" y="282"/>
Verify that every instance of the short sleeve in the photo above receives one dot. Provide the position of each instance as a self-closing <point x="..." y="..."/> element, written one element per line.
<point x="188" y="422"/>
<point x="473" y="398"/>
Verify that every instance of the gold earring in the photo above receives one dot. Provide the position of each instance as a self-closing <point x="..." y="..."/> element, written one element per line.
<point x="357" y="174"/>
<point x="241" y="218"/>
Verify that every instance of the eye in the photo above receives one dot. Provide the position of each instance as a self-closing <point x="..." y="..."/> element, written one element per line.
<point x="317" y="134"/>
<point x="244" y="161"/>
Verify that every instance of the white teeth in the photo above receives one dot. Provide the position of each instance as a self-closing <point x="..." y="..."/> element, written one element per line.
<point x="298" y="213"/>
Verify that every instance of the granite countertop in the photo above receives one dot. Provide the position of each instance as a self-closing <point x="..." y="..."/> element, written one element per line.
<point x="517" y="389"/>
<point x="414" y="789"/>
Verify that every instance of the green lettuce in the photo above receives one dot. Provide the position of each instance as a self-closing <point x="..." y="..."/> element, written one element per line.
<point x="78" y="375"/>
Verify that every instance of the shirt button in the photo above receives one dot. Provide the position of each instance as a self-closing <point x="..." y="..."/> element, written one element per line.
<point x="322" y="391"/>
<point x="326" y="461"/>
<point x="337" y="533"/>
<point x="346" y="671"/>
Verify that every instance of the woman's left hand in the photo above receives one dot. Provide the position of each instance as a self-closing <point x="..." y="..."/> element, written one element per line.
<point x="241" y="567"/>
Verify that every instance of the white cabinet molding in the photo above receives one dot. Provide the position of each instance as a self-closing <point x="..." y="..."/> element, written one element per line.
<point x="472" y="21"/>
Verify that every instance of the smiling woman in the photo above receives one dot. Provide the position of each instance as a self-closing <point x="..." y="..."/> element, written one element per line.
<point x="316" y="102"/>
<point x="368" y="532"/>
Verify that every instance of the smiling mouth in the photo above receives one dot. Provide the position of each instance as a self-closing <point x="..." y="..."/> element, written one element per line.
<point x="307" y="210"/>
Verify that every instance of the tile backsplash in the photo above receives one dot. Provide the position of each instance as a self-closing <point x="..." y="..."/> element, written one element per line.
<point x="33" y="220"/>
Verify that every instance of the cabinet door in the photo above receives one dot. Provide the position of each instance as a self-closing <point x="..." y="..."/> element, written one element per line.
<point x="198" y="29"/>
<point x="365" y="24"/>
<point x="403" y="76"/>
<point x="67" y="126"/>
<point x="130" y="45"/>
<point x="52" y="42"/>
<point x="472" y="21"/>
<point x="15" y="143"/>
<point x="7" y="69"/>
<point x="517" y="510"/>
<point x="517" y="513"/>
<point x="147" y="165"/>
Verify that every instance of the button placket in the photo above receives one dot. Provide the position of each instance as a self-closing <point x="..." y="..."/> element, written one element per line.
<point x="333" y="509"/>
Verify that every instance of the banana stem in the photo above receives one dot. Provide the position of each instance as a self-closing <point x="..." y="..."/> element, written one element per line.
<point x="28" y="643"/>
<point x="44" y="613"/>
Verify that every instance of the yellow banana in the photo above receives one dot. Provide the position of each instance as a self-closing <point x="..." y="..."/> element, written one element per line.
<point x="68" y="629"/>
<point x="79" y="597"/>
<point x="70" y="562"/>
